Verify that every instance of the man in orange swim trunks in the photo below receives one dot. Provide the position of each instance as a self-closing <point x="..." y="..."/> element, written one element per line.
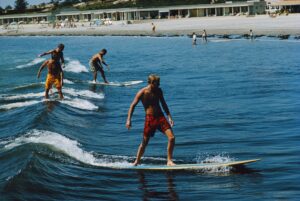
<point x="55" y="76"/>
<point x="151" y="97"/>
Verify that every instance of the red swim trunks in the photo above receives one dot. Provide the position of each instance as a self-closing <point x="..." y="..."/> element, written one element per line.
<point x="152" y="123"/>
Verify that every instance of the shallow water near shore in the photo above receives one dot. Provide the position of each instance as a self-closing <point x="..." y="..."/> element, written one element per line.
<point x="230" y="100"/>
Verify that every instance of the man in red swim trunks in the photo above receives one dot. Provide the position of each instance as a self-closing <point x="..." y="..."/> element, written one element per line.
<point x="151" y="97"/>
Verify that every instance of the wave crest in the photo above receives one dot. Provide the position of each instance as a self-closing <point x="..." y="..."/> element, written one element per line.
<point x="65" y="145"/>
<point x="32" y="63"/>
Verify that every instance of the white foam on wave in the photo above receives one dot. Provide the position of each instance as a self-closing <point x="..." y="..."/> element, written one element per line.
<point x="119" y="84"/>
<point x="70" y="147"/>
<point x="18" y="104"/>
<point x="79" y="103"/>
<point x="22" y="96"/>
<point x="73" y="102"/>
<point x="218" y="158"/>
<point x="220" y="40"/>
<point x="75" y="66"/>
<point x="85" y="93"/>
<point x="33" y="62"/>
<point x="66" y="81"/>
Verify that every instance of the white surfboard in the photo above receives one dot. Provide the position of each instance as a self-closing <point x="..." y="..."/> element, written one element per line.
<point x="196" y="166"/>
<point x="118" y="84"/>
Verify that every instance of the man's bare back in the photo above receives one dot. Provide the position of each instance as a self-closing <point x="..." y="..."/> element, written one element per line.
<point x="97" y="58"/>
<point x="55" y="76"/>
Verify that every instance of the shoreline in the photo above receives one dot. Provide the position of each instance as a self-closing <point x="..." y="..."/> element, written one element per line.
<point x="262" y="25"/>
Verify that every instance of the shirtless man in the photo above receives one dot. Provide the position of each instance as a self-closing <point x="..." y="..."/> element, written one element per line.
<point x="57" y="55"/>
<point x="96" y="65"/>
<point x="151" y="97"/>
<point x="55" y="76"/>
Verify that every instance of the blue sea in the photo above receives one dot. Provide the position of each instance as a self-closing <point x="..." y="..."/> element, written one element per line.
<point x="230" y="100"/>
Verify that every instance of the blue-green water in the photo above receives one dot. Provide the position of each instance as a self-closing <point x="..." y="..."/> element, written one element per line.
<point x="230" y="100"/>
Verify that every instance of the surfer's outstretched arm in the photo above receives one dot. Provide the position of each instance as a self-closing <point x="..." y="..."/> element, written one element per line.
<point x="135" y="101"/>
<point x="41" y="68"/>
<point x="45" y="53"/>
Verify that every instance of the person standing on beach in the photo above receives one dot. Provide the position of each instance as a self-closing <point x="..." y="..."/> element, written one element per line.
<point x="204" y="36"/>
<point x="153" y="27"/>
<point x="151" y="97"/>
<point x="96" y="65"/>
<point x="55" y="76"/>
<point x="57" y="55"/>
<point x="194" y="38"/>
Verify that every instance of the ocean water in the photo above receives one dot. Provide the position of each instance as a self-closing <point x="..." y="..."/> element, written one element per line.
<point x="230" y="100"/>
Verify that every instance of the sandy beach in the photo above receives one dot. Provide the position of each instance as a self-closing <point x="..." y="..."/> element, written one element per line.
<point x="227" y="25"/>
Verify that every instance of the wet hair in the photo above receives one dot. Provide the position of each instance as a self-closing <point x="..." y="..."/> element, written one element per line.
<point x="103" y="51"/>
<point x="153" y="78"/>
<point x="61" y="46"/>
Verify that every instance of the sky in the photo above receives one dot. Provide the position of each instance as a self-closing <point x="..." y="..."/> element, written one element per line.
<point x="4" y="3"/>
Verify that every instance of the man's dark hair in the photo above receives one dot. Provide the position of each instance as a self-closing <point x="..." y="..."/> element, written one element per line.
<point x="61" y="46"/>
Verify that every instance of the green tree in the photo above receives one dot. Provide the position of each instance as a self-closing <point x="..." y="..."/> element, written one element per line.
<point x="20" y="5"/>
<point x="8" y="7"/>
<point x="55" y="2"/>
<point x="69" y="2"/>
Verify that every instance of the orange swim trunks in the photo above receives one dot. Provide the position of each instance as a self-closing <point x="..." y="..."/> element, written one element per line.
<point x="52" y="79"/>
<point x="152" y="123"/>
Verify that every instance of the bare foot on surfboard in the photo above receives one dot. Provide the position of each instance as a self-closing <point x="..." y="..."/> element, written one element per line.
<point x="135" y="163"/>
<point x="170" y="163"/>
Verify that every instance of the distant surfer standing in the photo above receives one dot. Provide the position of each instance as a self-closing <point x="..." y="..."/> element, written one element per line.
<point x="57" y="55"/>
<point x="151" y="97"/>
<point x="96" y="64"/>
<point x="251" y="34"/>
<point x="55" y="76"/>
<point x="204" y="36"/>
<point x="194" y="36"/>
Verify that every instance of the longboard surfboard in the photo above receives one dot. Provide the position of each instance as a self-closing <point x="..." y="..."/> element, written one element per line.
<point x="118" y="84"/>
<point x="197" y="166"/>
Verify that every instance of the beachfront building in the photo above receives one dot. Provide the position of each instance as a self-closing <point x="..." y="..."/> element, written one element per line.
<point x="35" y="18"/>
<point x="228" y="8"/>
<point x="200" y="10"/>
<point x="291" y="6"/>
